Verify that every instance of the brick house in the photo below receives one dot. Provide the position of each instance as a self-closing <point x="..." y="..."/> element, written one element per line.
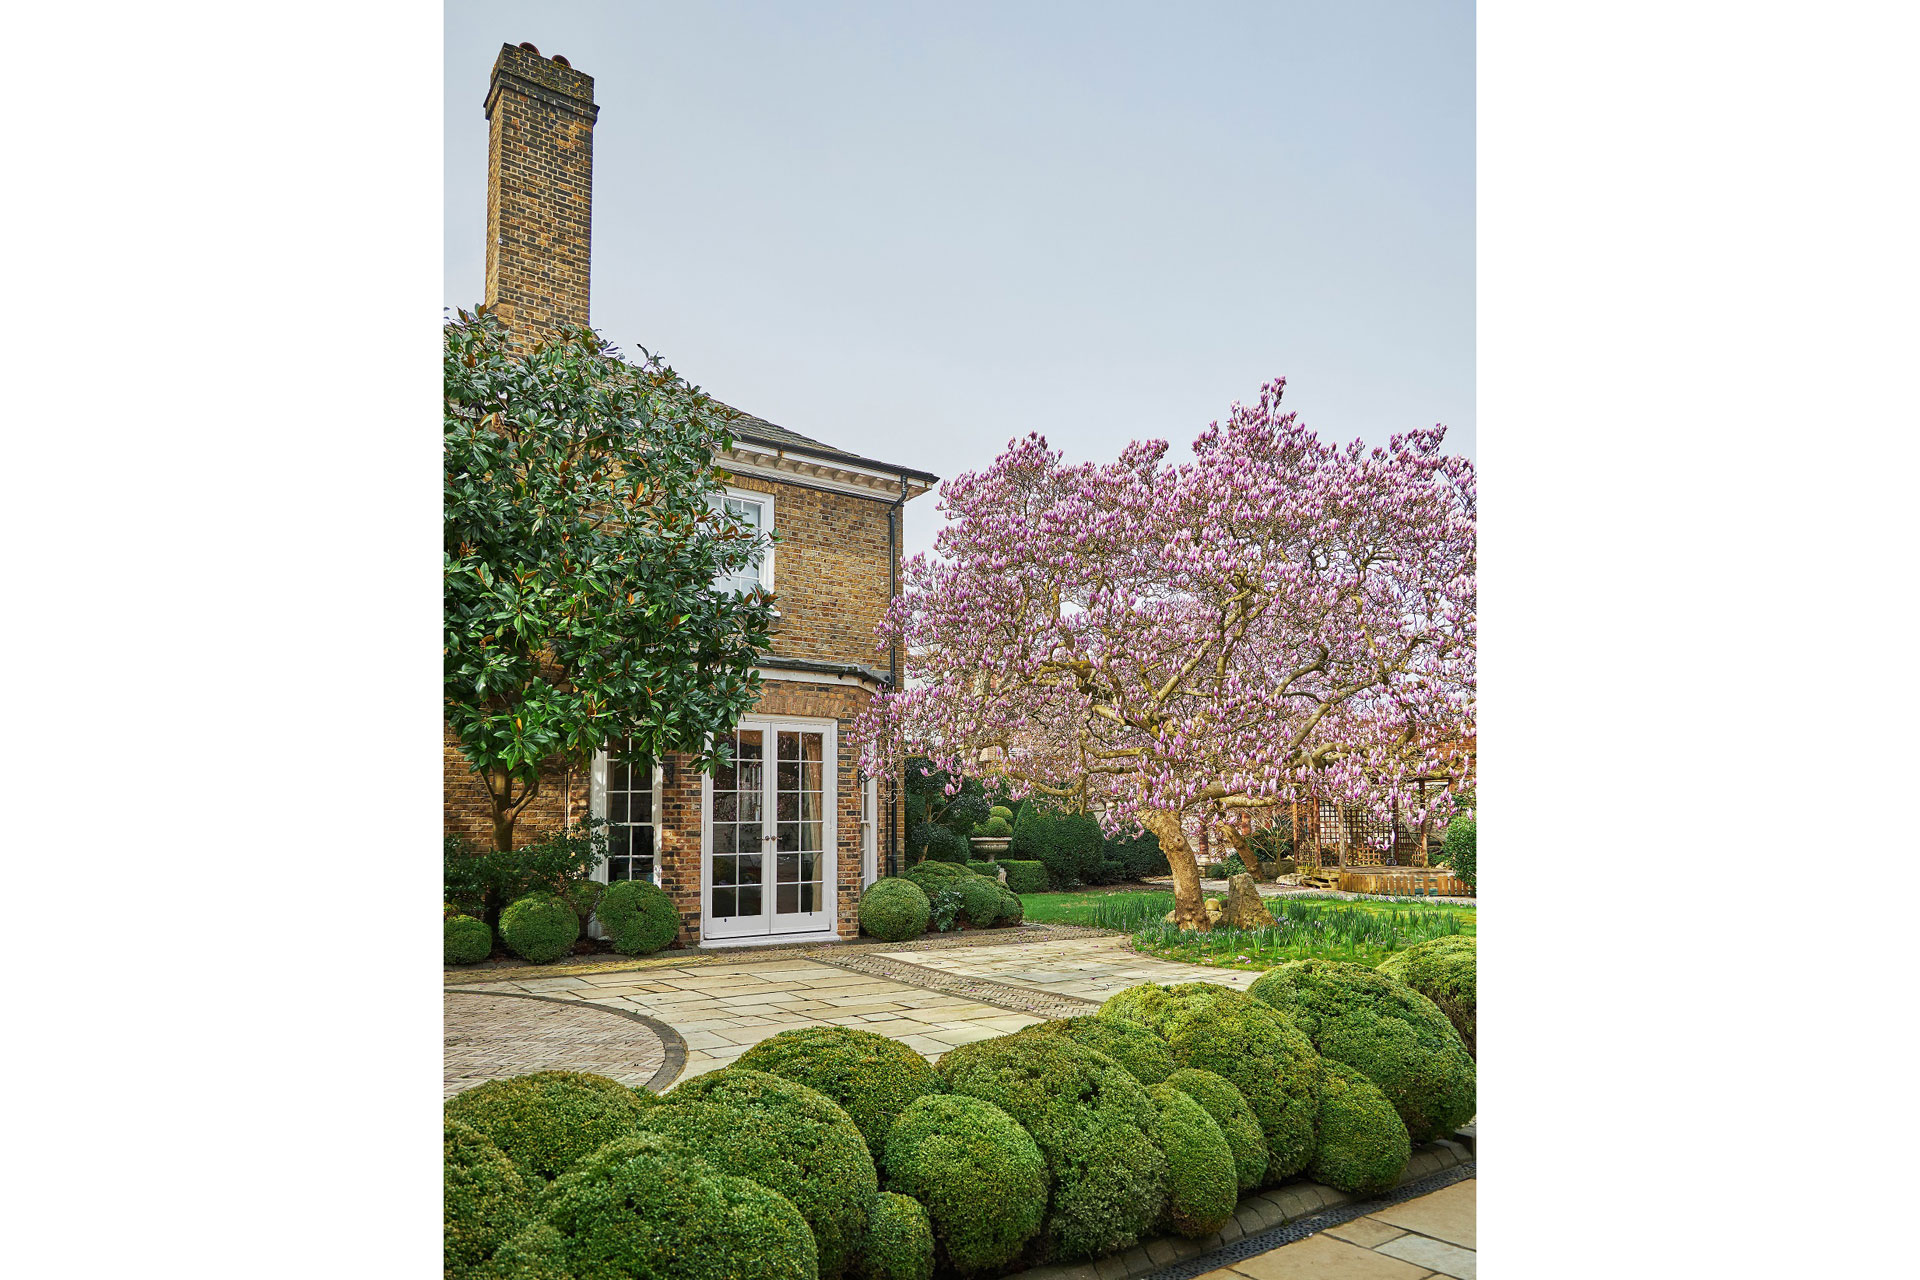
<point x="780" y="844"/>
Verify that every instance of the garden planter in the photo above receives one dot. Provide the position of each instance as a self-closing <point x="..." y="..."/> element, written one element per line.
<point x="989" y="848"/>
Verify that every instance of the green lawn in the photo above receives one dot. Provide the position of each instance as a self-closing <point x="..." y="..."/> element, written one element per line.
<point x="1323" y="928"/>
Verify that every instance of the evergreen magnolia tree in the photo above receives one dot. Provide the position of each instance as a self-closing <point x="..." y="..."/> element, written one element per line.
<point x="582" y="544"/>
<point x="1196" y="642"/>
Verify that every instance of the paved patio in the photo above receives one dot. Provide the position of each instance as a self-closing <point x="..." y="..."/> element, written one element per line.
<point x="492" y="1035"/>
<point x="1432" y="1235"/>
<point x="1084" y="968"/>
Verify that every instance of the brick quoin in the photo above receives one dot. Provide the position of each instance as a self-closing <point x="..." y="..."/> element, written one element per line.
<point x="837" y="558"/>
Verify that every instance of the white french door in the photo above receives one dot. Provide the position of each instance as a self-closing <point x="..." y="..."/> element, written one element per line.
<point x="768" y="831"/>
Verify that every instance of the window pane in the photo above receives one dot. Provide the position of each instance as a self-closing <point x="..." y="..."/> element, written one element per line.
<point x="750" y="901"/>
<point x="617" y="807"/>
<point x="723" y="871"/>
<point x="723" y="902"/>
<point x="789" y="745"/>
<point x="749" y="868"/>
<point x="726" y="806"/>
<point x="789" y="836"/>
<point x="788" y="898"/>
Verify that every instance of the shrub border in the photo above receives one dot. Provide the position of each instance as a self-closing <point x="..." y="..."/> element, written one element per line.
<point x="1282" y="1215"/>
<point x="674" y="1059"/>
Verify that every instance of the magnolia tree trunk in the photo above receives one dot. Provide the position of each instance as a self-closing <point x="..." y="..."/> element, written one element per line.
<point x="506" y="808"/>
<point x="1189" y="909"/>
<point x="1244" y="850"/>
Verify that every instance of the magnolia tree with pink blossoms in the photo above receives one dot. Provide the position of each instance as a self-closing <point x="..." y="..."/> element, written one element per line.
<point x="1157" y="642"/>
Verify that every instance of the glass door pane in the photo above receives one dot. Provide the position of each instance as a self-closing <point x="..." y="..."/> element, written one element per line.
<point x="739" y="820"/>
<point x="799" y="827"/>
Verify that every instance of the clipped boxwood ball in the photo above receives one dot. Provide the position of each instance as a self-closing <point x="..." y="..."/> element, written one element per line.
<point x="1363" y="1146"/>
<point x="546" y="1121"/>
<point x="1144" y="1054"/>
<point x="583" y="896"/>
<point x="1231" y="1034"/>
<point x="894" y="909"/>
<point x="644" y="1208"/>
<point x="872" y="1077"/>
<point x="539" y="928"/>
<point x="1442" y="970"/>
<point x="899" y="1243"/>
<point x="786" y="1137"/>
<point x="980" y="1175"/>
<point x="1092" y="1121"/>
<point x="980" y="899"/>
<point x="469" y="941"/>
<point x="1385" y="1030"/>
<point x="638" y="917"/>
<point x="485" y="1200"/>
<point x="1238" y="1125"/>
<point x="1202" y="1187"/>
<point x="1012" y="910"/>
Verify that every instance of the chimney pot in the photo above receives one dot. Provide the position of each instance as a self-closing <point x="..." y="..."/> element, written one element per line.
<point x="561" y="58"/>
<point x="530" y="48"/>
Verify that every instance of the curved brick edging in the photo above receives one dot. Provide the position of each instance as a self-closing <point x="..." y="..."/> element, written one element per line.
<point x="1265" y="1220"/>
<point x="673" y="1047"/>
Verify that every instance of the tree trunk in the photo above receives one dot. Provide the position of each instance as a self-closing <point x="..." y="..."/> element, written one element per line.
<point x="503" y="828"/>
<point x="1243" y="848"/>
<point x="505" y="809"/>
<point x="1189" y="908"/>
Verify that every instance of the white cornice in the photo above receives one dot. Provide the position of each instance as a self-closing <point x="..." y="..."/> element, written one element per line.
<point x="840" y="477"/>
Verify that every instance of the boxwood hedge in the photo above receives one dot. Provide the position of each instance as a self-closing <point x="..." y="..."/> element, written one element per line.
<point x="1266" y="1057"/>
<point x="979" y="1174"/>
<point x="899" y="1243"/>
<point x="1363" y="1146"/>
<point x="1385" y="1030"/>
<point x="469" y="941"/>
<point x="1228" y="1106"/>
<point x="872" y="1077"/>
<point x="1025" y="877"/>
<point x="786" y="1137"/>
<point x="1092" y="1121"/>
<point x="638" y="917"/>
<point x="1442" y="970"/>
<point x="539" y="927"/>
<point x="646" y="1208"/>
<point x="980" y="898"/>
<point x="1132" y="1045"/>
<point x="485" y="1200"/>
<point x="1201" y="1185"/>
<point x="546" y="1121"/>
<point x="894" y="909"/>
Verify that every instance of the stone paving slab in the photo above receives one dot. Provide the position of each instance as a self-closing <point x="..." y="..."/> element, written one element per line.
<point x="1084" y="969"/>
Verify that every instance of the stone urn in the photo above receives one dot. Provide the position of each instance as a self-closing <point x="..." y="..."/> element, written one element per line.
<point x="989" y="848"/>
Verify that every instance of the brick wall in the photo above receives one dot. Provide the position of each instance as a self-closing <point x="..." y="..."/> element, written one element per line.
<point x="830" y="572"/>
<point x="540" y="116"/>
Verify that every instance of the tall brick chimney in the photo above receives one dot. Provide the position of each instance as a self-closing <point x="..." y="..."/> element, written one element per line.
<point x="540" y="115"/>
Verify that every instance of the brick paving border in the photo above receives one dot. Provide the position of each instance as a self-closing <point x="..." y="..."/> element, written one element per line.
<point x="1003" y="995"/>
<point x="673" y="1048"/>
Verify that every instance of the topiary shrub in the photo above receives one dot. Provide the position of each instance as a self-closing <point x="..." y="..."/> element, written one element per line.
<point x="945" y="845"/>
<point x="899" y="1243"/>
<point x="1092" y="1121"/>
<point x="1219" y="1098"/>
<point x="484" y="1199"/>
<point x="980" y="900"/>
<point x="638" y="917"/>
<point x="893" y="909"/>
<point x="980" y="1175"/>
<point x="995" y="828"/>
<point x="1025" y="877"/>
<point x="786" y="1137"/>
<point x="644" y="1208"/>
<point x="872" y="1077"/>
<point x="1385" y="1030"/>
<point x="1442" y="970"/>
<point x="1201" y="1186"/>
<point x="469" y="941"/>
<point x="944" y="907"/>
<point x="1266" y="1057"/>
<point x="1132" y="858"/>
<point x="546" y="1121"/>
<point x="1132" y="1045"/>
<point x="1012" y="910"/>
<point x="538" y="1253"/>
<point x="539" y="928"/>
<point x="1001" y="812"/>
<point x="1363" y="1146"/>
<point x="1457" y="851"/>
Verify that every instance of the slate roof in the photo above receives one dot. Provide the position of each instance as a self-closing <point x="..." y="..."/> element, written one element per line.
<point x="760" y="431"/>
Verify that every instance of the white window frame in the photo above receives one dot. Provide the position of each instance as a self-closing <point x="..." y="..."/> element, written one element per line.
<point x="869" y="831"/>
<point x="829" y="731"/>
<point x="597" y="806"/>
<point x="765" y="502"/>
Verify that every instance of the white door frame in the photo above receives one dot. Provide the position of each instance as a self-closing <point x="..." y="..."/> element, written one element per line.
<point x="827" y="918"/>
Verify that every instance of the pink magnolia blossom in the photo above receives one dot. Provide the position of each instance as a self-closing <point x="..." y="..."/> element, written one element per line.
<point x="1276" y="619"/>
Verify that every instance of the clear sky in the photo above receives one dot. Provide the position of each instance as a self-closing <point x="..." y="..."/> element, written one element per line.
<point x="915" y="231"/>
